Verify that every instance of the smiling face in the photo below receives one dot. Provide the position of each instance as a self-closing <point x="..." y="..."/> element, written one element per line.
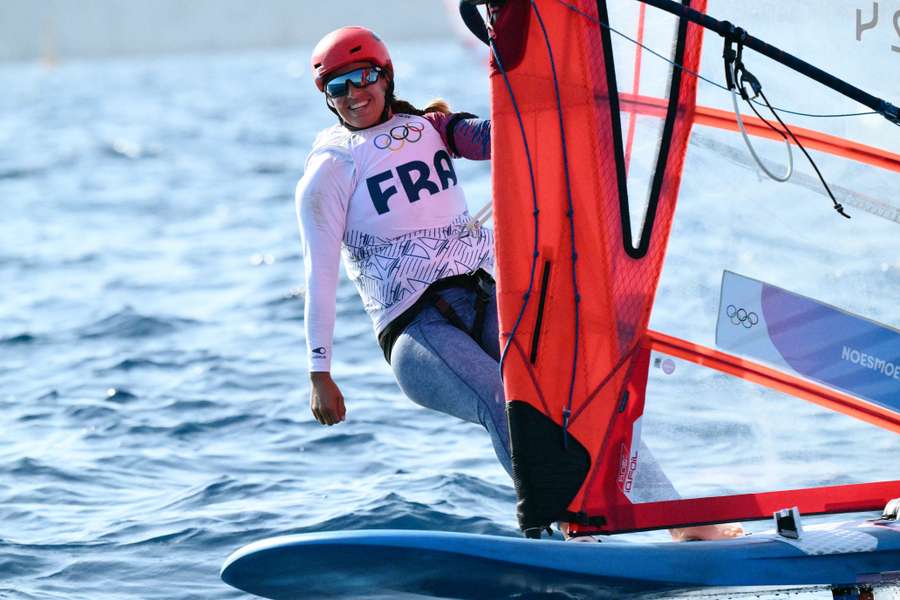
<point x="361" y="107"/>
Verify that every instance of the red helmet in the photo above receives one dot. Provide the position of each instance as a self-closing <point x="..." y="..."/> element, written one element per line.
<point x="345" y="46"/>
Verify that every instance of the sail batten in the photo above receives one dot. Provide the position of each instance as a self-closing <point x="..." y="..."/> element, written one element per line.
<point x="723" y="119"/>
<point x="774" y="379"/>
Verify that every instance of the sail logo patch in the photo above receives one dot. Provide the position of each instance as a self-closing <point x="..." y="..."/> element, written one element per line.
<point x="870" y="361"/>
<point x="319" y="353"/>
<point x="414" y="177"/>
<point x="628" y="463"/>
<point x="741" y="316"/>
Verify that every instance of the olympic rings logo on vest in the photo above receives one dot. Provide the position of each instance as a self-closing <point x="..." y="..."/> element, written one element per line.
<point x="398" y="136"/>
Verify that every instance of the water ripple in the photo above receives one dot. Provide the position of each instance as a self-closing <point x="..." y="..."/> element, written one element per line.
<point x="128" y="323"/>
<point x="19" y="339"/>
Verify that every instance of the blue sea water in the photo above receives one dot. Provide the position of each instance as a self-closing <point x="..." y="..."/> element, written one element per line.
<point x="153" y="394"/>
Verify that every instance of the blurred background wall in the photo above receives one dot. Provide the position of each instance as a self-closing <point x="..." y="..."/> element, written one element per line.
<point x="62" y="29"/>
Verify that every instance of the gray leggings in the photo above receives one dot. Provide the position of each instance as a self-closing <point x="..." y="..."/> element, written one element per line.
<point x="441" y="367"/>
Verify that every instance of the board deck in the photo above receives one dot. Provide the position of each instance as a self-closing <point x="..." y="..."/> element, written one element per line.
<point x="366" y="563"/>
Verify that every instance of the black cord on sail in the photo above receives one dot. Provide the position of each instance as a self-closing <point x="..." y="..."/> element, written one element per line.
<point x="737" y="77"/>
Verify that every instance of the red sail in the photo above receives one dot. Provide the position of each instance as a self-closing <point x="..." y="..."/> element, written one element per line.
<point x="580" y="251"/>
<point x="577" y="153"/>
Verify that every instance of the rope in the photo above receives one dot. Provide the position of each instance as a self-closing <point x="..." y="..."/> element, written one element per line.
<point x="481" y="217"/>
<point x="759" y="162"/>
<point x="737" y="77"/>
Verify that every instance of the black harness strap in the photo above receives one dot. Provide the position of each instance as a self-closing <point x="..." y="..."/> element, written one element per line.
<point x="447" y="311"/>
<point x="484" y="291"/>
<point x="480" y="282"/>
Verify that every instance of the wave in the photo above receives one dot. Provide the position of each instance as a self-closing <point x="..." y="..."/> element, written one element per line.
<point x="32" y="467"/>
<point x="21" y="172"/>
<point x="19" y="339"/>
<point x="127" y="323"/>
<point x="392" y="511"/>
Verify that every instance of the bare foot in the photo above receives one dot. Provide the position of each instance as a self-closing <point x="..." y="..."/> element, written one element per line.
<point x="707" y="532"/>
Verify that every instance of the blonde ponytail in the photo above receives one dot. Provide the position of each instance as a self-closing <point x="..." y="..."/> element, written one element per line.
<point x="402" y="106"/>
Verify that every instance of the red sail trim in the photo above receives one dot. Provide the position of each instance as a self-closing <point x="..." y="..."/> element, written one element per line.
<point x="858" y="497"/>
<point x="722" y="119"/>
<point x="618" y="281"/>
<point x="774" y="379"/>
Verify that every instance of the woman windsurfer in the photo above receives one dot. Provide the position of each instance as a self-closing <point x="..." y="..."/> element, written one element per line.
<point x="380" y="188"/>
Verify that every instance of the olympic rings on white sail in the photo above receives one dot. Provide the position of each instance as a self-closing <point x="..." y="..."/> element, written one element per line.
<point x="740" y="316"/>
<point x="397" y="137"/>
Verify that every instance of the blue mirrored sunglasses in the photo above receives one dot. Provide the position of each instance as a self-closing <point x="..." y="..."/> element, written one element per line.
<point x="340" y="85"/>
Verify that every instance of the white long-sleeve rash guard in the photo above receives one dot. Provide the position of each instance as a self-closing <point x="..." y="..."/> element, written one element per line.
<point x="386" y="199"/>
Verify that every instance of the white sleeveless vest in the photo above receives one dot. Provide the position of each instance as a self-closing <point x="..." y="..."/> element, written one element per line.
<point x="405" y="221"/>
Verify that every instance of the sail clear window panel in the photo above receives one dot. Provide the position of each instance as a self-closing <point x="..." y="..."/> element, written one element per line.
<point x="641" y="154"/>
<point x="713" y="434"/>
<point x="740" y="436"/>
<point x="641" y="75"/>
<point x="730" y="217"/>
<point x="659" y="34"/>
